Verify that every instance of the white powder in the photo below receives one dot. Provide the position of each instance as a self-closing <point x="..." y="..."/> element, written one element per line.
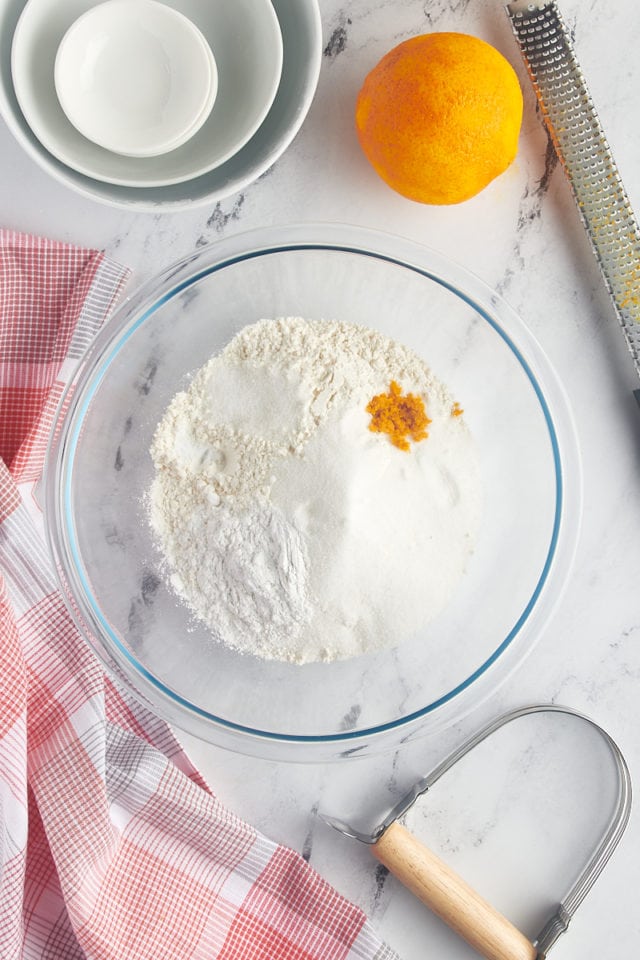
<point x="289" y="528"/>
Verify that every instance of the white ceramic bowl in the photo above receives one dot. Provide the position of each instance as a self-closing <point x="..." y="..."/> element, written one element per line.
<point x="136" y="77"/>
<point x="302" y="54"/>
<point x="246" y="41"/>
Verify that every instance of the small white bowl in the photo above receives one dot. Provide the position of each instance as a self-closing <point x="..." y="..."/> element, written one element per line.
<point x="301" y="27"/>
<point x="136" y="77"/>
<point x="246" y="41"/>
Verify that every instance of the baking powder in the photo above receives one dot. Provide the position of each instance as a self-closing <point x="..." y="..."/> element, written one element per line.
<point x="288" y="527"/>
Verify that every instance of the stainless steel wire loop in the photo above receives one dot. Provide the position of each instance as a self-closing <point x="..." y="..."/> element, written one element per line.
<point x="557" y="924"/>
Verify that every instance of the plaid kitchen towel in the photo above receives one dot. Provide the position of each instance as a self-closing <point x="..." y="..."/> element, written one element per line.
<point x="111" y="845"/>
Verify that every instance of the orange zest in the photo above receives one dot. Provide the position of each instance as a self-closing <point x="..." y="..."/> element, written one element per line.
<point x="401" y="417"/>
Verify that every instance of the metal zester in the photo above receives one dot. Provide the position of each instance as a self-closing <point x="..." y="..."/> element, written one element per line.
<point x="582" y="148"/>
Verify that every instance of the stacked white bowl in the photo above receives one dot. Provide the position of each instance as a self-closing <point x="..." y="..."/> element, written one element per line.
<point x="150" y="104"/>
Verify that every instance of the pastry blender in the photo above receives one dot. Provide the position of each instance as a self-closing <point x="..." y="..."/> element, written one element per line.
<point x="449" y="896"/>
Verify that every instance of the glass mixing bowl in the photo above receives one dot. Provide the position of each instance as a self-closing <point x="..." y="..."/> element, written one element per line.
<point x="99" y="469"/>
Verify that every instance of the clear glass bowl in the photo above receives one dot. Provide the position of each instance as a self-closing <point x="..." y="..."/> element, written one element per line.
<point x="99" y="468"/>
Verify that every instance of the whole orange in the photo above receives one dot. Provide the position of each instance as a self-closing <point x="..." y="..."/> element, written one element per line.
<point x="439" y="116"/>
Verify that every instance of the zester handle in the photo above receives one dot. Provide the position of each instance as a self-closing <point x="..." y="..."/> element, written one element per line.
<point x="582" y="148"/>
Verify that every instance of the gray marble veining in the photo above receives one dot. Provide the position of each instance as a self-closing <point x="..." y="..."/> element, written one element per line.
<point x="523" y="237"/>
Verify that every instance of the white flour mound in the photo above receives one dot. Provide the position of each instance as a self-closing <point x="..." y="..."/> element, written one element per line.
<point x="289" y="528"/>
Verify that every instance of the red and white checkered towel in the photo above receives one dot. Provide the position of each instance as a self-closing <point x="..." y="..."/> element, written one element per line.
<point x="111" y="845"/>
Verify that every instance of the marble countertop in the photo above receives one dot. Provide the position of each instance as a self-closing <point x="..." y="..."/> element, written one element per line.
<point x="503" y="820"/>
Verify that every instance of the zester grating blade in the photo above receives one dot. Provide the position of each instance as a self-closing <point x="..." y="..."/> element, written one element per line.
<point x="582" y="148"/>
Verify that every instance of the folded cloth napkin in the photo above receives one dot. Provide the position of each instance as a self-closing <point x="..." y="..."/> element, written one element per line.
<point x="112" y="847"/>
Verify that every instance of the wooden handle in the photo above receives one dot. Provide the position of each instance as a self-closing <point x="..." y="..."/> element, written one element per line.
<point x="447" y="894"/>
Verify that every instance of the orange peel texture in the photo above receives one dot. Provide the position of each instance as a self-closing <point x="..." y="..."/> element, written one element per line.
<point x="439" y="117"/>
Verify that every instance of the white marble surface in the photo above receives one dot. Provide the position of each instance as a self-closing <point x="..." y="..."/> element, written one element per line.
<point x="522" y="235"/>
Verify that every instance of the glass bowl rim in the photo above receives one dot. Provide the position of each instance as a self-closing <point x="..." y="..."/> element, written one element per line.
<point x="179" y="276"/>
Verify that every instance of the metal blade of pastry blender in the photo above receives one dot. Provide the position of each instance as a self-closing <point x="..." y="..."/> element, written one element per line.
<point x="558" y="922"/>
<point x="582" y="148"/>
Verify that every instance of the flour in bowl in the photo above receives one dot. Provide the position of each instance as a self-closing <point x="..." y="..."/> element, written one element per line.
<point x="316" y="492"/>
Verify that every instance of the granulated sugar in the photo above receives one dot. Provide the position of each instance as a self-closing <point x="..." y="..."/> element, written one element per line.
<point x="288" y="527"/>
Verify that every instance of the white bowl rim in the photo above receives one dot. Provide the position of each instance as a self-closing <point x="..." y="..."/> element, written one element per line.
<point x="175" y="128"/>
<point x="41" y="125"/>
<point x="140" y="200"/>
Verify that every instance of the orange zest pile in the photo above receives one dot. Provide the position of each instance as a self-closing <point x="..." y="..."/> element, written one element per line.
<point x="401" y="417"/>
